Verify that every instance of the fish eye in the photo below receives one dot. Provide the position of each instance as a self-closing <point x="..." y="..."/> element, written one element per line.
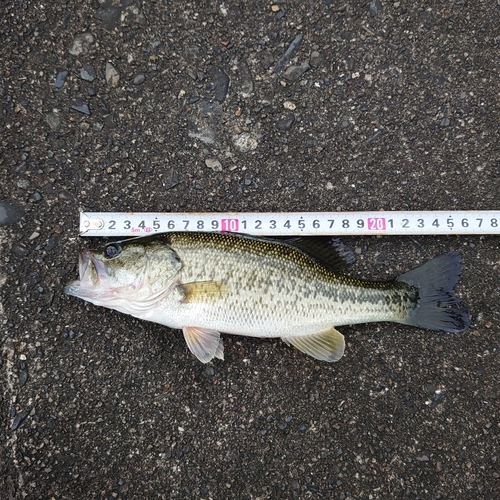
<point x="112" y="250"/>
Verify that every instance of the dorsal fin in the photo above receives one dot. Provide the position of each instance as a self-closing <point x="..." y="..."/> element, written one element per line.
<point x="330" y="252"/>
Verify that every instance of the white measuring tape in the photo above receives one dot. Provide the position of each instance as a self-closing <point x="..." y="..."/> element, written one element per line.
<point x="293" y="224"/>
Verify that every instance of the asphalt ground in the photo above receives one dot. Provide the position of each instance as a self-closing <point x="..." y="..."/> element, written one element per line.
<point x="255" y="106"/>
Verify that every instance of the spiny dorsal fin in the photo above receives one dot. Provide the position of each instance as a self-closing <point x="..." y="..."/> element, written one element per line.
<point x="325" y="346"/>
<point x="203" y="291"/>
<point x="330" y="252"/>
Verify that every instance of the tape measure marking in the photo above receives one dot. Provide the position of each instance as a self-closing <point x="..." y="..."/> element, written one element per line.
<point x="293" y="224"/>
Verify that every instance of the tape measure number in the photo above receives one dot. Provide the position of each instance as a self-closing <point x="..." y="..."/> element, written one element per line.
<point x="293" y="224"/>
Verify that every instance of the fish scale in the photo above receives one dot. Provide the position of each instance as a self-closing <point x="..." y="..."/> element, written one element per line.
<point x="291" y="276"/>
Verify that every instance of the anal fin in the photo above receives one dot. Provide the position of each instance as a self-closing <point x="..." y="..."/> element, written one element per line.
<point x="204" y="343"/>
<point x="325" y="346"/>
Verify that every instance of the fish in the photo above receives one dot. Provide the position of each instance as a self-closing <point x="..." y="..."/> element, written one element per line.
<point x="295" y="289"/>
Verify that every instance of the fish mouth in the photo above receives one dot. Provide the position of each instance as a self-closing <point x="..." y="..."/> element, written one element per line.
<point x="91" y="271"/>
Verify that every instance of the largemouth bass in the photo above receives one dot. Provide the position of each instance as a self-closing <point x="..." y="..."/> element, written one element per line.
<point x="207" y="283"/>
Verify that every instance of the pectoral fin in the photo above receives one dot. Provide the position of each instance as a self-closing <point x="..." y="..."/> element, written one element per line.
<point x="203" y="291"/>
<point x="205" y="344"/>
<point x="325" y="346"/>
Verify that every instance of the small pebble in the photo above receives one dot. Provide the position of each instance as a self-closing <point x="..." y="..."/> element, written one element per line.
<point x="23" y="183"/>
<point x="105" y="106"/>
<point x="88" y="73"/>
<point x="139" y="79"/>
<point x="171" y="179"/>
<point x="295" y="72"/>
<point x="53" y="120"/>
<point x="245" y="142"/>
<point x="37" y="197"/>
<point x="61" y="78"/>
<point x="220" y="81"/>
<point x="245" y="82"/>
<point x="289" y="53"/>
<point x="112" y="76"/>
<point x="375" y="8"/>
<point x="109" y="122"/>
<point x="109" y="16"/>
<point x="68" y="334"/>
<point x="315" y="59"/>
<point x="215" y="165"/>
<point x="19" y="419"/>
<point x="81" y="107"/>
<point x="286" y="122"/>
<point x="51" y="242"/>
<point x="81" y="44"/>
<point x="20" y="251"/>
<point x="11" y="212"/>
<point x="154" y="45"/>
<point x="65" y="18"/>
<point x="64" y="195"/>
<point x="444" y="123"/>
<point x="22" y="377"/>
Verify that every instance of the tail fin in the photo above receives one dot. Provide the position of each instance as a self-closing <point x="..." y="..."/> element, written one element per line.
<point x="436" y="305"/>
